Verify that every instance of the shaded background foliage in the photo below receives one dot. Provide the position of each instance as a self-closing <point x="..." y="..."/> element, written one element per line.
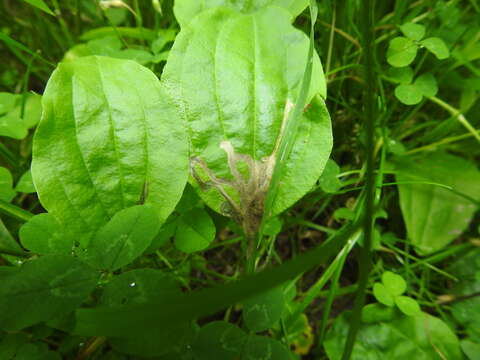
<point x="427" y="146"/>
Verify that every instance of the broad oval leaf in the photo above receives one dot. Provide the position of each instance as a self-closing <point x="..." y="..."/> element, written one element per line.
<point x="408" y="94"/>
<point x="6" y="185"/>
<point x="43" y="288"/>
<point x="235" y="77"/>
<point x="413" y="31"/>
<point x="25" y="184"/>
<point x="407" y="305"/>
<point x="436" y="46"/>
<point x="401" y="51"/>
<point x="125" y="237"/>
<point x="219" y="340"/>
<point x="262" y="311"/>
<point x="109" y="138"/>
<point x="435" y="216"/>
<point x="427" y="84"/>
<point x="141" y="286"/>
<point x="43" y="234"/>
<point x="420" y="337"/>
<point x="223" y="340"/>
<point x="382" y="294"/>
<point x="138" y="286"/>
<point x="195" y="231"/>
<point x="394" y="283"/>
<point x="186" y="10"/>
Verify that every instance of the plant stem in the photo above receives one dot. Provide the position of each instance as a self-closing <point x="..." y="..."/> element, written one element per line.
<point x="15" y="211"/>
<point x="369" y="123"/>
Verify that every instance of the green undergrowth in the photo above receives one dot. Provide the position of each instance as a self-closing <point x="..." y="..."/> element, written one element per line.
<point x="235" y="179"/>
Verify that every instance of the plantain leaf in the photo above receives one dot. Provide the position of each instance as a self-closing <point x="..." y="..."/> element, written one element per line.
<point x="186" y="10"/>
<point x="195" y="231"/>
<point x="43" y="288"/>
<point x="108" y="139"/>
<point x="422" y="337"/>
<point x="124" y="238"/>
<point x="435" y="216"/>
<point x="223" y="340"/>
<point x="43" y="235"/>
<point x="250" y="67"/>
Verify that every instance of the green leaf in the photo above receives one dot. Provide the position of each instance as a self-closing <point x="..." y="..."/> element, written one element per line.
<point x="138" y="33"/>
<point x="42" y="234"/>
<point x="262" y="347"/>
<point x="382" y="294"/>
<point x="437" y="47"/>
<point x="413" y="31"/>
<point x="471" y="349"/>
<point x="251" y="67"/>
<point x="421" y="337"/>
<point x="222" y="340"/>
<point x="6" y="190"/>
<point x="43" y="288"/>
<point x="18" y="347"/>
<point x="41" y="5"/>
<point x="138" y="286"/>
<point x="167" y="231"/>
<point x="124" y="238"/>
<point x="142" y="319"/>
<point x="186" y="10"/>
<point x="401" y="52"/>
<point x="25" y="184"/>
<point x="395" y="284"/>
<point x="374" y="313"/>
<point x="163" y="38"/>
<point x="426" y="84"/>
<point x="32" y="111"/>
<point x="141" y="286"/>
<point x="13" y="126"/>
<point x="344" y="214"/>
<point x="140" y="56"/>
<point x="262" y="311"/>
<point x="467" y="312"/>
<point x="219" y="340"/>
<point x="435" y="216"/>
<point x="329" y="181"/>
<point x="7" y="242"/>
<point x="195" y="231"/>
<point x="407" y="305"/>
<point x="408" y="94"/>
<point x="7" y="102"/>
<point x="11" y="344"/>
<point x="109" y="138"/>
<point x="402" y="75"/>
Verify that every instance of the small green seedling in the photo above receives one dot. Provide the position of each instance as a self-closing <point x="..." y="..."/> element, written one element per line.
<point x="402" y="50"/>
<point x="389" y="292"/>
